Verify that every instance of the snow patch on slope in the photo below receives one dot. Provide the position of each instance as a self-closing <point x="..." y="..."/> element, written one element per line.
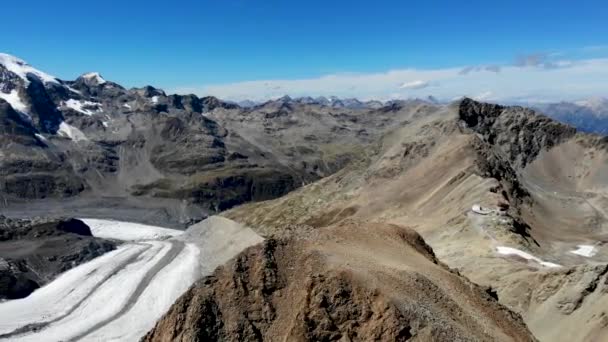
<point x="14" y="100"/>
<point x="585" y="250"/>
<point x="74" y="90"/>
<point x="154" y="99"/>
<point x="128" y="231"/>
<point x="82" y="106"/>
<point x="21" y="69"/>
<point x="41" y="138"/>
<point x="71" y="132"/>
<point x="514" y="251"/>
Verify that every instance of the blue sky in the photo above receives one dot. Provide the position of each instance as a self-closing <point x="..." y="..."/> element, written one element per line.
<point x="207" y="46"/>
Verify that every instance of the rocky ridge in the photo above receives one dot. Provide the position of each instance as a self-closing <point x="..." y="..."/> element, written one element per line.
<point x="335" y="287"/>
<point x="430" y="171"/>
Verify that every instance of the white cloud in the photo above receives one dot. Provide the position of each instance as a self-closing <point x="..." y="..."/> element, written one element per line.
<point x="486" y="95"/>
<point x="418" y="84"/>
<point x="562" y="80"/>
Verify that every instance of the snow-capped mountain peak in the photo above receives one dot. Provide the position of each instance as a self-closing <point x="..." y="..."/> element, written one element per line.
<point x="94" y="77"/>
<point x="22" y="69"/>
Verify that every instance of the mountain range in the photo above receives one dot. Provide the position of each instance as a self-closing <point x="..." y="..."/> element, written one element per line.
<point x="345" y="220"/>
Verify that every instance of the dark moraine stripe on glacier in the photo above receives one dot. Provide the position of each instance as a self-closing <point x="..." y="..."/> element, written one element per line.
<point x="41" y="325"/>
<point x="176" y="248"/>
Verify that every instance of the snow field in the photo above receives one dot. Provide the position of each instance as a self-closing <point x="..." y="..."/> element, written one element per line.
<point x="60" y="296"/>
<point x="160" y="294"/>
<point x="120" y="295"/>
<point x="79" y="106"/>
<point x="128" y="231"/>
<point x="106" y="301"/>
<point x="71" y="132"/>
<point x="513" y="251"/>
<point x="585" y="250"/>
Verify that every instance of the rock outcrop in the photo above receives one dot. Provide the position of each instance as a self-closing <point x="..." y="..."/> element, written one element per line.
<point x="352" y="282"/>
<point x="520" y="133"/>
<point x="34" y="252"/>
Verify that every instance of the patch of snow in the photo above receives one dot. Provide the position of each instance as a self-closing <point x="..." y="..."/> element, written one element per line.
<point x="154" y="99"/>
<point x="21" y="69"/>
<point x="128" y="231"/>
<point x="71" y="132"/>
<point x="40" y="137"/>
<point x="105" y="124"/>
<point x="481" y="210"/>
<point x="74" y="90"/>
<point x="79" y="106"/>
<point x="126" y="105"/>
<point x="14" y="100"/>
<point x="585" y="250"/>
<point x="95" y="76"/>
<point x="514" y="251"/>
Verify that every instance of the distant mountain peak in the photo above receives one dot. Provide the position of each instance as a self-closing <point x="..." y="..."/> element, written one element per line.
<point x="432" y="99"/>
<point x="94" y="77"/>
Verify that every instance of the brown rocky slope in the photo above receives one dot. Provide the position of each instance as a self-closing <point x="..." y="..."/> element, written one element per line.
<point x="429" y="172"/>
<point x="351" y="282"/>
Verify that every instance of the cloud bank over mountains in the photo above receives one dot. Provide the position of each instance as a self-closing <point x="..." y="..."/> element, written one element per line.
<point x="540" y="77"/>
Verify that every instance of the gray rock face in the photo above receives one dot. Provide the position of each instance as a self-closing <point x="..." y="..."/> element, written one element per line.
<point x="520" y="133"/>
<point x="92" y="136"/>
<point x="28" y="167"/>
<point x="34" y="252"/>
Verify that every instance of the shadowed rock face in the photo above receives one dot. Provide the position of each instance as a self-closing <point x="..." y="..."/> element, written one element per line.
<point x="34" y="252"/>
<point x="338" y="286"/>
<point x="520" y="133"/>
